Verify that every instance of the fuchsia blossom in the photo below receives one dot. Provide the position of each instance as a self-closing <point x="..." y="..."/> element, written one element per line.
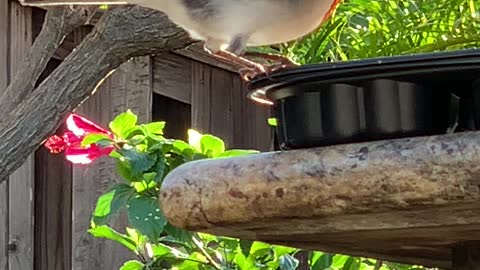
<point x="70" y="142"/>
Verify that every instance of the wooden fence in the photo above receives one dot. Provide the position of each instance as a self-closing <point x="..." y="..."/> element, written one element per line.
<point x="46" y="204"/>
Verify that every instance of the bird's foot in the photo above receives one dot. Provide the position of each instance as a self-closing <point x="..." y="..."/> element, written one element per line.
<point x="252" y="69"/>
<point x="248" y="74"/>
<point x="279" y="62"/>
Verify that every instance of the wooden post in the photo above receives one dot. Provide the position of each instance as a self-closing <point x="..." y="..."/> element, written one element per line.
<point x="466" y="256"/>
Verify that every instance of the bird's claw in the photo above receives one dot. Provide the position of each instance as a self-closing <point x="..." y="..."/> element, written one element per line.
<point x="249" y="74"/>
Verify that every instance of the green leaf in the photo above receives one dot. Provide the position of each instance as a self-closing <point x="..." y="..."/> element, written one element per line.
<point x="351" y="264"/>
<point x="192" y="263"/>
<point x="339" y="261"/>
<point x="272" y="122"/>
<point x="136" y="140"/>
<point x="94" y="138"/>
<point x="183" y="148"/>
<point x="123" y="169"/>
<point x="260" y="249"/>
<point x="143" y="186"/>
<point x="211" y="145"/>
<point x="123" y="123"/>
<point x="132" y="265"/>
<point x="155" y="127"/>
<point x="237" y="153"/>
<point x="288" y="262"/>
<point x="106" y="232"/>
<point x="282" y="250"/>
<point x="178" y="234"/>
<point x="139" y="162"/>
<point x="245" y="263"/>
<point x="245" y="246"/>
<point x="136" y="237"/>
<point x="145" y="215"/>
<point x="110" y="203"/>
<point x="324" y="261"/>
<point x="194" y="138"/>
<point x="159" y="168"/>
<point x="160" y="250"/>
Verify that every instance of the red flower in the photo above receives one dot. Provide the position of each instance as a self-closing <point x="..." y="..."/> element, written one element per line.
<point x="70" y="142"/>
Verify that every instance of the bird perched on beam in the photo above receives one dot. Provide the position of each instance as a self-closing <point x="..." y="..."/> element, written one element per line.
<point x="227" y="27"/>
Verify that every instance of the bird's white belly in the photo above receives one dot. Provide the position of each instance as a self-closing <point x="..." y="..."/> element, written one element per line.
<point x="264" y="21"/>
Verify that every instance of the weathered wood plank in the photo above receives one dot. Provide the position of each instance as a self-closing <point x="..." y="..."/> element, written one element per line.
<point x="21" y="203"/>
<point x="221" y="115"/>
<point x="128" y="88"/>
<point x="220" y="106"/>
<point x="53" y="213"/>
<point x="53" y="205"/>
<point x="250" y="120"/>
<point x="201" y="96"/>
<point x="261" y="131"/>
<point x="4" y="74"/>
<point x="171" y="77"/>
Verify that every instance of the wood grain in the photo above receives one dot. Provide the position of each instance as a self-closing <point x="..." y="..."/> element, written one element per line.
<point x="4" y="75"/>
<point x="201" y="97"/>
<point x="221" y="103"/>
<point x="53" y="211"/>
<point x="21" y="203"/>
<point x="220" y="107"/>
<point x="171" y="77"/>
<point x="128" y="88"/>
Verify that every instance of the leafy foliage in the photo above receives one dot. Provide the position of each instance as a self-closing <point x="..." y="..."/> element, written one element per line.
<point x="372" y="28"/>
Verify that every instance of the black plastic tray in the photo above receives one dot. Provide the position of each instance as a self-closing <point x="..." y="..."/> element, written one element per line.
<point x="373" y="99"/>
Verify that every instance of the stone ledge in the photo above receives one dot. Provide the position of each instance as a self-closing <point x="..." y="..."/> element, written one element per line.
<point x="407" y="200"/>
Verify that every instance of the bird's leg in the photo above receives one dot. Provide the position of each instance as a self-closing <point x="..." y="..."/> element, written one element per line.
<point x="250" y="68"/>
<point x="248" y="73"/>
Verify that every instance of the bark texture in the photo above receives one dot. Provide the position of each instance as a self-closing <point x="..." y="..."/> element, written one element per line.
<point x="120" y="34"/>
<point x="59" y="22"/>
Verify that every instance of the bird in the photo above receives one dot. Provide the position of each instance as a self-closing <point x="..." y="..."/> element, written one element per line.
<point x="228" y="27"/>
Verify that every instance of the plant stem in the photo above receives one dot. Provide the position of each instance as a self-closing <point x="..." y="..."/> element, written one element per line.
<point x="205" y="253"/>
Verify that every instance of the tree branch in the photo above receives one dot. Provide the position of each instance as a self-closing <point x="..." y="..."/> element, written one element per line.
<point x="59" y="22"/>
<point x="119" y="35"/>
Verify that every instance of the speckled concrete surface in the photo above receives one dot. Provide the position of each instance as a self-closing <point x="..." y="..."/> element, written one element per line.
<point x="384" y="184"/>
